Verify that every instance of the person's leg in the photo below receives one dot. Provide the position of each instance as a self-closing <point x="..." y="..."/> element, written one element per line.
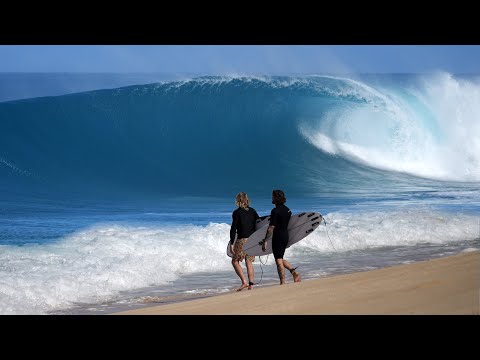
<point x="278" y="248"/>
<point x="238" y="257"/>
<point x="239" y="271"/>
<point x="280" y="270"/>
<point x="250" y="271"/>
<point x="289" y="267"/>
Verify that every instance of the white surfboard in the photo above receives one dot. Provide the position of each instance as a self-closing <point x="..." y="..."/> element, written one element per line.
<point x="261" y="222"/>
<point x="300" y="226"/>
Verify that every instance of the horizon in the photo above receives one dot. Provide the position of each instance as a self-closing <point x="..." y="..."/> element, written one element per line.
<point x="240" y="60"/>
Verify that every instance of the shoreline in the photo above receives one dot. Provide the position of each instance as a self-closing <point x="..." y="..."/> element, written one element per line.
<point x="440" y="286"/>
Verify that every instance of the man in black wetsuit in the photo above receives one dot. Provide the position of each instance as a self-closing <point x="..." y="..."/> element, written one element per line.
<point x="279" y="218"/>
<point x="244" y="220"/>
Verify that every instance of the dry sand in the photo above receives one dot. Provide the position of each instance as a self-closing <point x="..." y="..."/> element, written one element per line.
<point x="448" y="285"/>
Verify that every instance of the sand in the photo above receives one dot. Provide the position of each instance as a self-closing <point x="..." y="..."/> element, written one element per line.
<point x="442" y="286"/>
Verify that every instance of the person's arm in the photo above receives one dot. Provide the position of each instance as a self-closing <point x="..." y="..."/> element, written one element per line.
<point x="233" y="228"/>
<point x="269" y="233"/>
<point x="268" y="236"/>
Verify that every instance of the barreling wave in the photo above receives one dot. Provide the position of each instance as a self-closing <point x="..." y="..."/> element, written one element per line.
<point x="216" y="135"/>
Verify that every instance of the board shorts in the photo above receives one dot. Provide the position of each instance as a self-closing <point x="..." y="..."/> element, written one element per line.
<point x="238" y="253"/>
<point x="279" y="245"/>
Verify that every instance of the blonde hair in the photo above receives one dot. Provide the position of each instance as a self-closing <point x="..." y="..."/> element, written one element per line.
<point x="242" y="200"/>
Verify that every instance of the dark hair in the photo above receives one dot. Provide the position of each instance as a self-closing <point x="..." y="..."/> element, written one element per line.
<point x="278" y="197"/>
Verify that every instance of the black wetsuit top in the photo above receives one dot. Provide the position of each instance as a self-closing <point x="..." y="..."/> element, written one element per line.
<point x="243" y="223"/>
<point x="279" y="217"/>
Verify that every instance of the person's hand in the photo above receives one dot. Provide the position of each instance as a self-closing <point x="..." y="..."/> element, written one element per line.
<point x="264" y="245"/>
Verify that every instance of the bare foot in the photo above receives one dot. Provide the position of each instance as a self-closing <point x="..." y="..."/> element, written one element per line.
<point x="296" y="277"/>
<point x="242" y="287"/>
<point x="250" y="287"/>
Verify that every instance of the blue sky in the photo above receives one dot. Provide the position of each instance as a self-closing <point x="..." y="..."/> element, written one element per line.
<point x="241" y="59"/>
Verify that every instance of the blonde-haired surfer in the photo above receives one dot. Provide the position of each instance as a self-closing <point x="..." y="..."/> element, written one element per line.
<point x="244" y="219"/>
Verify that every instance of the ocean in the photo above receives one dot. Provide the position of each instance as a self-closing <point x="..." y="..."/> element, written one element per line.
<point x="117" y="189"/>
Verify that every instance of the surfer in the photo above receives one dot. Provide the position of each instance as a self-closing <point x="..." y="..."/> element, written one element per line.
<point x="244" y="219"/>
<point x="277" y="231"/>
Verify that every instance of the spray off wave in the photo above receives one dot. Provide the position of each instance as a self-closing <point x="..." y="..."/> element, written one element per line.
<point x="430" y="130"/>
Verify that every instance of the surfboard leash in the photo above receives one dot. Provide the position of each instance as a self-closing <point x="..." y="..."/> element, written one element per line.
<point x="325" y="222"/>
<point x="261" y="268"/>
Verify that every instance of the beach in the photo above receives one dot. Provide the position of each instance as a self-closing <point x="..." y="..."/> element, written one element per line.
<point x="442" y="286"/>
